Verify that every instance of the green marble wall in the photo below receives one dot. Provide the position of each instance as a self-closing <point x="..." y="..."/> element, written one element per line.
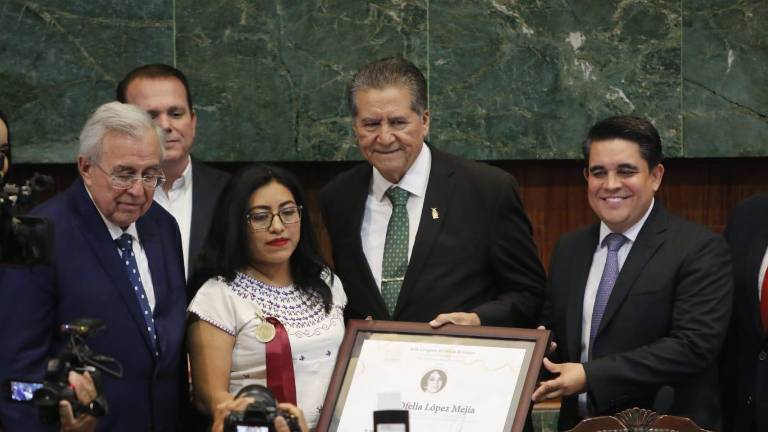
<point x="508" y="79"/>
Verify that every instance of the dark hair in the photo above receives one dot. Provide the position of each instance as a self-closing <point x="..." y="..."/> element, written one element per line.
<point x="226" y="250"/>
<point x="157" y="70"/>
<point x="636" y="129"/>
<point x="390" y="71"/>
<point x="4" y="118"/>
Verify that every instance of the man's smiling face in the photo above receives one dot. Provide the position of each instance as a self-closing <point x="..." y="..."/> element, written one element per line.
<point x="620" y="185"/>
<point x="389" y="133"/>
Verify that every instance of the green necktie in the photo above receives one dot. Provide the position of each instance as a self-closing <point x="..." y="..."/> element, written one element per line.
<point x="395" y="260"/>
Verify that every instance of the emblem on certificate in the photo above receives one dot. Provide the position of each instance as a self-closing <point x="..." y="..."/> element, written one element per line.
<point x="265" y="331"/>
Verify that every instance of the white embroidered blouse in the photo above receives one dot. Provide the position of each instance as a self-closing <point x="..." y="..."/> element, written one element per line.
<point x="314" y="335"/>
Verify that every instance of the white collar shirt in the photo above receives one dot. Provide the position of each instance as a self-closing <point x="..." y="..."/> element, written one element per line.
<point x="378" y="209"/>
<point x="593" y="281"/>
<point x="138" y="251"/>
<point x="178" y="202"/>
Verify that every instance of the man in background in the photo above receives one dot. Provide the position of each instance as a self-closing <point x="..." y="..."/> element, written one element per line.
<point x="640" y="301"/>
<point x="192" y="188"/>
<point x="419" y="234"/>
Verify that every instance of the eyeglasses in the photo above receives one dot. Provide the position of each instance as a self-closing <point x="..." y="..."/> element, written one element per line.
<point x="126" y="181"/>
<point x="262" y="220"/>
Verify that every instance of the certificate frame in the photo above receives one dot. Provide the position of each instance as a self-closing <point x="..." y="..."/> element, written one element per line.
<point x="535" y="343"/>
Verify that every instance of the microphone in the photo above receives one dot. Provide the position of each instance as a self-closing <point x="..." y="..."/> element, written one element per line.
<point x="665" y="397"/>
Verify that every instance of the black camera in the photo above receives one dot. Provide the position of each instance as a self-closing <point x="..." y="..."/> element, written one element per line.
<point x="24" y="240"/>
<point x="78" y="357"/>
<point x="260" y="415"/>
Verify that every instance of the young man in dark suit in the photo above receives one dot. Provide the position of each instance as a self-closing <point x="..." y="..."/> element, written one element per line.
<point x="639" y="301"/>
<point x="192" y="187"/>
<point x="744" y="370"/>
<point x="117" y="258"/>
<point x="419" y="234"/>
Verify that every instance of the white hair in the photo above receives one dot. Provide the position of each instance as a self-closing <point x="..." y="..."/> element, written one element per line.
<point x="116" y="117"/>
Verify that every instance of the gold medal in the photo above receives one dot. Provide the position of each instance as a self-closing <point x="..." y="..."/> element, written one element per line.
<point x="265" y="332"/>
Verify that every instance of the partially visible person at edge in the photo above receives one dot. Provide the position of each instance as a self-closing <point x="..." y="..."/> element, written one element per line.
<point x="264" y="291"/>
<point x="744" y="369"/>
<point x="117" y="258"/>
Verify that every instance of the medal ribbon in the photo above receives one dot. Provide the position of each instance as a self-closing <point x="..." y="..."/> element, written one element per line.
<point x="280" y="378"/>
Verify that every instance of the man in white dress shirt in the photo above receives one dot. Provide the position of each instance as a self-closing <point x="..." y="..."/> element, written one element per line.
<point x="192" y="188"/>
<point x="640" y="301"/>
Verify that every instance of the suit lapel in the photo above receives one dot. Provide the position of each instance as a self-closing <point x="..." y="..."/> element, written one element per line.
<point x="93" y="229"/>
<point x="153" y="249"/>
<point x="650" y="238"/>
<point x="357" y="199"/>
<point x="581" y="263"/>
<point x="201" y="190"/>
<point x="439" y="188"/>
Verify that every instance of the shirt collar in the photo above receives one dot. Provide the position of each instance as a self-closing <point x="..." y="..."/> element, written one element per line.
<point x="631" y="233"/>
<point x="186" y="176"/>
<point x="414" y="181"/>
<point x="114" y="231"/>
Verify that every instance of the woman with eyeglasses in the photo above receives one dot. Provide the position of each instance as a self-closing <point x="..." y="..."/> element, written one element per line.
<point x="268" y="311"/>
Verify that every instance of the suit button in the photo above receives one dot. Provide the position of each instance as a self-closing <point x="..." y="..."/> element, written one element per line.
<point x="762" y="356"/>
<point x="749" y="401"/>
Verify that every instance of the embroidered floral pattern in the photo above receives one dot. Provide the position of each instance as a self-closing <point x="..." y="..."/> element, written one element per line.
<point x="302" y="314"/>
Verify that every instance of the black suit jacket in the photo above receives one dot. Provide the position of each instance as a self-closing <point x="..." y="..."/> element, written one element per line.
<point x="207" y="184"/>
<point x="89" y="280"/>
<point x="477" y="255"/>
<point x="745" y="356"/>
<point x="664" y="323"/>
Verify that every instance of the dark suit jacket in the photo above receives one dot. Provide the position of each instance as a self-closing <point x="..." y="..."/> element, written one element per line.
<point x="477" y="256"/>
<point x="745" y="356"/>
<point x="88" y="280"/>
<point x="207" y="184"/>
<point x="664" y="323"/>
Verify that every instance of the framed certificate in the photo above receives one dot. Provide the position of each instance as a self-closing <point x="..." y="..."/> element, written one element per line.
<point x="454" y="378"/>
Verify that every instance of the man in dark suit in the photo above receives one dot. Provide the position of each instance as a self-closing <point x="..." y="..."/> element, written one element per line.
<point x="639" y="301"/>
<point x="192" y="187"/>
<point x="419" y="234"/>
<point x="745" y="355"/>
<point x="117" y="258"/>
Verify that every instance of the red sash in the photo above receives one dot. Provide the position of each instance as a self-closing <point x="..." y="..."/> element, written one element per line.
<point x="280" y="378"/>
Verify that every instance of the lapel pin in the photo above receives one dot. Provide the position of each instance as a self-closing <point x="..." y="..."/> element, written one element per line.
<point x="435" y="214"/>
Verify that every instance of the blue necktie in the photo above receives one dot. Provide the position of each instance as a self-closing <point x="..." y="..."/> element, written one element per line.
<point x="610" y="273"/>
<point x="125" y="244"/>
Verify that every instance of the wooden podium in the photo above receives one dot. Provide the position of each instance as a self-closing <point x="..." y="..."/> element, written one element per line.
<point x="637" y="420"/>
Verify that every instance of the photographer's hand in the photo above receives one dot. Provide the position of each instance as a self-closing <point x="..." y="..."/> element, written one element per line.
<point x="85" y="390"/>
<point x="223" y="409"/>
<point x="282" y="426"/>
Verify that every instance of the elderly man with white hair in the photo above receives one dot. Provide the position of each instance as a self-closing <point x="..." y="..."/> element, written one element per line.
<point x="117" y="258"/>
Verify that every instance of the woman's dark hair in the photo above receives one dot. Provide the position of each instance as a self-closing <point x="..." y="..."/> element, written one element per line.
<point x="226" y="250"/>
<point x="7" y="151"/>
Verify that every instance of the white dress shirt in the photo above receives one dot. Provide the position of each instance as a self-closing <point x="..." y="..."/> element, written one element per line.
<point x="178" y="202"/>
<point x="138" y="251"/>
<point x="593" y="281"/>
<point x="378" y="209"/>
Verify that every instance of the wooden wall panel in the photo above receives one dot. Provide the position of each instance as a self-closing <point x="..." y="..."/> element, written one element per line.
<point x="553" y="192"/>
